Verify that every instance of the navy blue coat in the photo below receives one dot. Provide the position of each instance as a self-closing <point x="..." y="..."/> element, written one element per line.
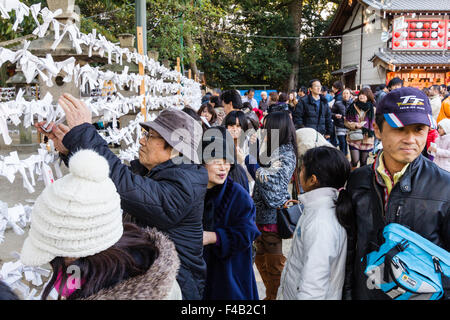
<point x="306" y="114"/>
<point x="230" y="273"/>
<point x="170" y="198"/>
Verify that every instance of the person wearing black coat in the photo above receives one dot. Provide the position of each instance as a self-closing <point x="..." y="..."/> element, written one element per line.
<point x="312" y="111"/>
<point x="401" y="186"/>
<point x="308" y="114"/>
<point x="338" y="111"/>
<point x="163" y="189"/>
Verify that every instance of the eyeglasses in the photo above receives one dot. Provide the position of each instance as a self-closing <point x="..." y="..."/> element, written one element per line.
<point x="148" y="135"/>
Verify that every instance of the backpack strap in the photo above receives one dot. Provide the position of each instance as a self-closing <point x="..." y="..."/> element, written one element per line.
<point x="445" y="280"/>
<point x="390" y="255"/>
<point x="446" y="285"/>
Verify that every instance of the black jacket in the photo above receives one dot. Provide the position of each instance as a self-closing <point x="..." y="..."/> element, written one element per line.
<point x="339" y="107"/>
<point x="279" y="106"/>
<point x="306" y="114"/>
<point x="170" y="198"/>
<point x="420" y="201"/>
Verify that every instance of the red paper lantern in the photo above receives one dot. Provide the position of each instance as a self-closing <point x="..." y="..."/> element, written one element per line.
<point x="397" y="34"/>
<point x="425" y="44"/>
<point x="441" y="25"/>
<point x="412" y="25"/>
<point x="396" y="43"/>
<point x="412" y="43"/>
<point x="440" y="34"/>
<point x="412" y="34"/>
<point x="426" y="34"/>
<point x="426" y="25"/>
<point x="440" y="43"/>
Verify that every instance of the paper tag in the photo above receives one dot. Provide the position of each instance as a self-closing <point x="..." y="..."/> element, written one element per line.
<point x="57" y="169"/>
<point x="47" y="174"/>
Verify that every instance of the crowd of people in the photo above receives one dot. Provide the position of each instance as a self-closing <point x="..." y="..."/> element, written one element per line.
<point x="190" y="216"/>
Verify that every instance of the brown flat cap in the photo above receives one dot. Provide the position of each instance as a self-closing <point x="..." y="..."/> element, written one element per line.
<point x="180" y="130"/>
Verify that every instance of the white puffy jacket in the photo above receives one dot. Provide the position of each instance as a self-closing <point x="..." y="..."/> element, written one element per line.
<point x="315" y="266"/>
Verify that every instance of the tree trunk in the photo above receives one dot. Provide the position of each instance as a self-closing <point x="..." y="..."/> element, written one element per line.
<point x="192" y="60"/>
<point x="295" y="14"/>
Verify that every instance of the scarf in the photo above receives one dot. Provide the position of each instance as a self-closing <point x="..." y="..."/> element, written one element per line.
<point x="368" y="108"/>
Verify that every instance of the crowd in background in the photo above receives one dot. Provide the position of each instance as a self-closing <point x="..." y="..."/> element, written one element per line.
<point x="191" y="216"/>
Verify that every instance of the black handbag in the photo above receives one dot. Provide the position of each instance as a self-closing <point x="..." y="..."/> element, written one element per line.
<point x="287" y="218"/>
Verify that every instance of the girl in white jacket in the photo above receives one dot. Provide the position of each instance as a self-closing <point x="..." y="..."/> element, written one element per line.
<point x="442" y="148"/>
<point x="315" y="267"/>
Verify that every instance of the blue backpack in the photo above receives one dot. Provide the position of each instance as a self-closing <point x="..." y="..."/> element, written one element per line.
<point x="408" y="266"/>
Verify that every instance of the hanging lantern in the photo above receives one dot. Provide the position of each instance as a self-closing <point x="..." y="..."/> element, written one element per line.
<point x="419" y="34"/>
<point x="412" y="43"/>
<point x="434" y="34"/>
<point x="426" y="34"/>
<point x="440" y="43"/>
<point x="434" y="25"/>
<point x="412" y="25"/>
<point x="396" y="43"/>
<point x="426" y="25"/>
<point x="397" y="34"/>
<point x="412" y="34"/>
<point x="425" y="44"/>
<point x="441" y="25"/>
<point x="419" y="25"/>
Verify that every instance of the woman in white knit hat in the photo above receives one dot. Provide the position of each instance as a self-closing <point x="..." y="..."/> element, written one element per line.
<point x="76" y="226"/>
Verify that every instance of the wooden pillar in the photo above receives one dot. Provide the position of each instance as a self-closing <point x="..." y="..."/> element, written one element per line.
<point x="179" y="71"/>
<point x="140" y="43"/>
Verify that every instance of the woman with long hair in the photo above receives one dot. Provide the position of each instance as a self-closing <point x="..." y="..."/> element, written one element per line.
<point x="208" y="113"/>
<point x="360" y="115"/>
<point x="77" y="227"/>
<point x="229" y="224"/>
<point x="292" y="102"/>
<point x="272" y="172"/>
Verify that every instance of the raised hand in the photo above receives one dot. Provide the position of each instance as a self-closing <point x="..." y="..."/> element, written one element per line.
<point x="76" y="110"/>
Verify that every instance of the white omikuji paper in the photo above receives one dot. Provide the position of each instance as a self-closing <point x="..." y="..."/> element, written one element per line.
<point x="164" y="88"/>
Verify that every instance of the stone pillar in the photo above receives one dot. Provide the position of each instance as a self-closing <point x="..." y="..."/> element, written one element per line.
<point x="25" y="135"/>
<point x="126" y="40"/>
<point x="68" y="7"/>
<point x="153" y="54"/>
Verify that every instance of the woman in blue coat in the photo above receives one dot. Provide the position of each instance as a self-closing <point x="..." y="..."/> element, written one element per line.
<point x="228" y="223"/>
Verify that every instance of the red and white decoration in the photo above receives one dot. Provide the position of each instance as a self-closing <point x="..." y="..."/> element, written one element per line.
<point x="421" y="33"/>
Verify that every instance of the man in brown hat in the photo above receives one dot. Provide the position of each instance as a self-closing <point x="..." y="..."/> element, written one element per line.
<point x="164" y="189"/>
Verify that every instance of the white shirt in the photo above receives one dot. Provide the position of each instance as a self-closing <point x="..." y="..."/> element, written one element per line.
<point x="315" y="266"/>
<point x="253" y="102"/>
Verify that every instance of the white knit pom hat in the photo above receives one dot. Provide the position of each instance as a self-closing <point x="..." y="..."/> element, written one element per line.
<point x="76" y="216"/>
<point x="445" y="124"/>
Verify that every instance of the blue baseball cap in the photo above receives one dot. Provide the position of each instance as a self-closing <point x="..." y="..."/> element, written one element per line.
<point x="405" y="106"/>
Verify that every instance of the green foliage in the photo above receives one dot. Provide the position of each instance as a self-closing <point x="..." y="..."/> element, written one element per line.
<point x="24" y="28"/>
<point x="216" y="32"/>
<point x="318" y="56"/>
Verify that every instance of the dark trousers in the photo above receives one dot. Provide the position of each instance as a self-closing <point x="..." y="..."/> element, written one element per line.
<point x="342" y="140"/>
<point x="333" y="136"/>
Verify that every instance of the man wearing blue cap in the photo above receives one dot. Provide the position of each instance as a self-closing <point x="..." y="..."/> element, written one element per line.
<point x="401" y="186"/>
